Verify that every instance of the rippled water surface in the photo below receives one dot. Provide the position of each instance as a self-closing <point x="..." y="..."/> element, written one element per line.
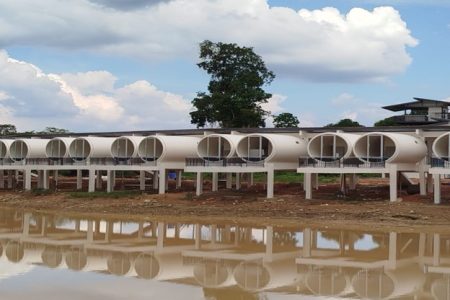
<point x="55" y="257"/>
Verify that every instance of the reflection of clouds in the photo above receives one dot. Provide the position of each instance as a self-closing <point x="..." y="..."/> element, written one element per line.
<point x="8" y="270"/>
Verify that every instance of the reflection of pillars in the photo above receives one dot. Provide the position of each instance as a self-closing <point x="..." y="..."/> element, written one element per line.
<point x="98" y="182"/>
<point x="155" y="180"/>
<point x="437" y="188"/>
<point x="237" y="235"/>
<point x="393" y="183"/>
<point x="213" y="229"/>
<point x="179" y="177"/>
<point x="177" y="230"/>
<point x="109" y="231"/>
<point x="162" y="181"/>
<point x="238" y="181"/>
<point x="270" y="181"/>
<point x="392" y="260"/>
<point x="79" y="180"/>
<point x="436" y="249"/>
<point x="430" y="183"/>
<point x="91" y="187"/>
<point x="247" y="234"/>
<point x="342" y="242"/>
<point x="199" y="186"/>
<point x="307" y="186"/>
<point x="160" y="238"/>
<point x="44" y="226"/>
<point x="229" y="180"/>
<point x="198" y="236"/>
<point x="141" y="231"/>
<point x="269" y="242"/>
<point x="227" y="233"/>
<point x="142" y="180"/>
<point x="90" y="231"/>
<point x="314" y="239"/>
<point x="2" y="179"/>
<point x="422" y="240"/>
<point x="27" y="179"/>
<point x="26" y="224"/>
<point x="306" y="242"/>
<point x="77" y="225"/>
<point x="110" y="180"/>
<point x="97" y="226"/>
<point x="215" y="181"/>
<point x="10" y="179"/>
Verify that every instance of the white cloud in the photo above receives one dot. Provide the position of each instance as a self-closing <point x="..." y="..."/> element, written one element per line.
<point x="344" y="99"/>
<point x="316" y="45"/>
<point x="32" y="100"/>
<point x="273" y="105"/>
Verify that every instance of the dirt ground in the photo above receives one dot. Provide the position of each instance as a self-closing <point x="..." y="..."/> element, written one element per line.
<point x="368" y="204"/>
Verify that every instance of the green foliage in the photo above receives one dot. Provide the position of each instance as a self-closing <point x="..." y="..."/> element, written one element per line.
<point x="41" y="192"/>
<point x="235" y="91"/>
<point x="345" y="123"/>
<point x="54" y="130"/>
<point x="285" y="120"/>
<point x="112" y="195"/>
<point x="385" y="122"/>
<point x="7" y="129"/>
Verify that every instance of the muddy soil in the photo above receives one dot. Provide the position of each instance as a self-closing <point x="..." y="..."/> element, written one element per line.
<point x="369" y="204"/>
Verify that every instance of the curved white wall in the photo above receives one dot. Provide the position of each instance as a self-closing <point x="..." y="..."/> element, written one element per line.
<point x="332" y="146"/>
<point x="21" y="149"/>
<point x="125" y="147"/>
<point x="4" y="148"/>
<point x="164" y="148"/>
<point x="83" y="148"/>
<point x="215" y="147"/>
<point x="58" y="147"/>
<point x="273" y="148"/>
<point x="390" y="147"/>
<point x="441" y="146"/>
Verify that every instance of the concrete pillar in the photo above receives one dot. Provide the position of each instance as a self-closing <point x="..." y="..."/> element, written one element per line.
<point x="2" y="179"/>
<point x="307" y="186"/>
<point x="45" y="179"/>
<point x="27" y="180"/>
<point x="39" y="179"/>
<point x="315" y="181"/>
<point x="167" y="181"/>
<point x="215" y="181"/>
<point x="79" y="180"/>
<point x="353" y="181"/>
<point x="436" y="249"/>
<point x="306" y="251"/>
<point x="142" y="180"/>
<point x="270" y="182"/>
<point x="251" y="180"/>
<point x="91" y="187"/>
<point x="10" y="179"/>
<point x="98" y="182"/>
<point x="199" y="186"/>
<point x="422" y="183"/>
<point x="155" y="180"/>
<point x="229" y="180"/>
<point x="393" y="184"/>
<point x="392" y="260"/>
<point x="437" y="188"/>
<point x="238" y="181"/>
<point x="55" y="178"/>
<point x="430" y="183"/>
<point x="110" y="181"/>
<point x="162" y="181"/>
<point x="179" y="178"/>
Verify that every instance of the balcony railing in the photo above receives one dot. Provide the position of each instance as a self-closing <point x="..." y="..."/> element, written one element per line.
<point x="308" y="162"/>
<point x="223" y="162"/>
<point x="103" y="161"/>
<point x="435" y="162"/>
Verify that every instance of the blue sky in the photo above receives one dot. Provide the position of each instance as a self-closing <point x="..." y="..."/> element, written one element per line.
<point x="121" y="65"/>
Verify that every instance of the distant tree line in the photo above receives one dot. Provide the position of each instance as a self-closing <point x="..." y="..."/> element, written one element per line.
<point x="10" y="129"/>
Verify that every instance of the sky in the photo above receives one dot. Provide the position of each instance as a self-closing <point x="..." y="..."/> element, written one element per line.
<point x="101" y="65"/>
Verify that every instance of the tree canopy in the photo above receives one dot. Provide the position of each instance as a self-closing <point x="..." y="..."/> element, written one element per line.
<point x="7" y="129"/>
<point x="345" y="123"/>
<point x="385" y="122"/>
<point x="285" y="120"/>
<point x="235" y="92"/>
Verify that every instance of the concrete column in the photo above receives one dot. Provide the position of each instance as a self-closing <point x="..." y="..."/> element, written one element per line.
<point x="430" y="183"/>
<point x="238" y="181"/>
<point x="199" y="186"/>
<point x="45" y="179"/>
<point x="109" y="181"/>
<point x="2" y="179"/>
<point x="307" y="186"/>
<point x="393" y="184"/>
<point x="437" y="188"/>
<point x="90" y="231"/>
<point x="91" y="187"/>
<point x="55" y="178"/>
<point x="215" y="181"/>
<point x="229" y="180"/>
<point x="162" y="181"/>
<point x="315" y="181"/>
<point x="270" y="182"/>
<point x="39" y="179"/>
<point x="167" y="181"/>
<point x="353" y="181"/>
<point x="392" y="260"/>
<point x="10" y="179"/>
<point x="98" y="182"/>
<point x="79" y="180"/>
<point x="27" y="180"/>
<point x="142" y="180"/>
<point x="179" y="178"/>
<point x="155" y="180"/>
<point x="436" y="249"/>
<point x="251" y="181"/>
<point x="422" y="183"/>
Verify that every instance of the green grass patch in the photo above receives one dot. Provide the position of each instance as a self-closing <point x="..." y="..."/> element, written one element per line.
<point x="41" y="192"/>
<point x="113" y="195"/>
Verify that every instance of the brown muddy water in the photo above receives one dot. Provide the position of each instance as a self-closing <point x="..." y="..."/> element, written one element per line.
<point x="57" y="257"/>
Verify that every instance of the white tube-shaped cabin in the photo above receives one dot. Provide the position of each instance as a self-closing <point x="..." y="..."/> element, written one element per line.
<point x="58" y="148"/>
<point x="271" y="148"/>
<point x="331" y="146"/>
<point x="390" y="148"/>
<point x="125" y="147"/>
<point x="166" y="148"/>
<point x="4" y="148"/>
<point x="441" y="146"/>
<point x="83" y="148"/>
<point x="215" y="147"/>
<point x="22" y="149"/>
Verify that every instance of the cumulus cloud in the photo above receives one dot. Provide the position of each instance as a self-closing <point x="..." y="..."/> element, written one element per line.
<point x="32" y="99"/>
<point x="128" y="4"/>
<point x="319" y="45"/>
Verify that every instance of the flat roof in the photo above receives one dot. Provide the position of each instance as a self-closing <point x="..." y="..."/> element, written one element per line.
<point x="418" y="103"/>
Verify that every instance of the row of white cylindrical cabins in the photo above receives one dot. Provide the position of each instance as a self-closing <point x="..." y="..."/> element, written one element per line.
<point x="423" y="153"/>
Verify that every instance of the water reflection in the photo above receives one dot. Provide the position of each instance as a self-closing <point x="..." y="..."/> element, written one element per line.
<point x="233" y="261"/>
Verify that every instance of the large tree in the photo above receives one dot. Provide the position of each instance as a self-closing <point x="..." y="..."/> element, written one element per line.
<point x="6" y="129"/>
<point x="345" y="123"/>
<point x="285" y="120"/>
<point x="235" y="90"/>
